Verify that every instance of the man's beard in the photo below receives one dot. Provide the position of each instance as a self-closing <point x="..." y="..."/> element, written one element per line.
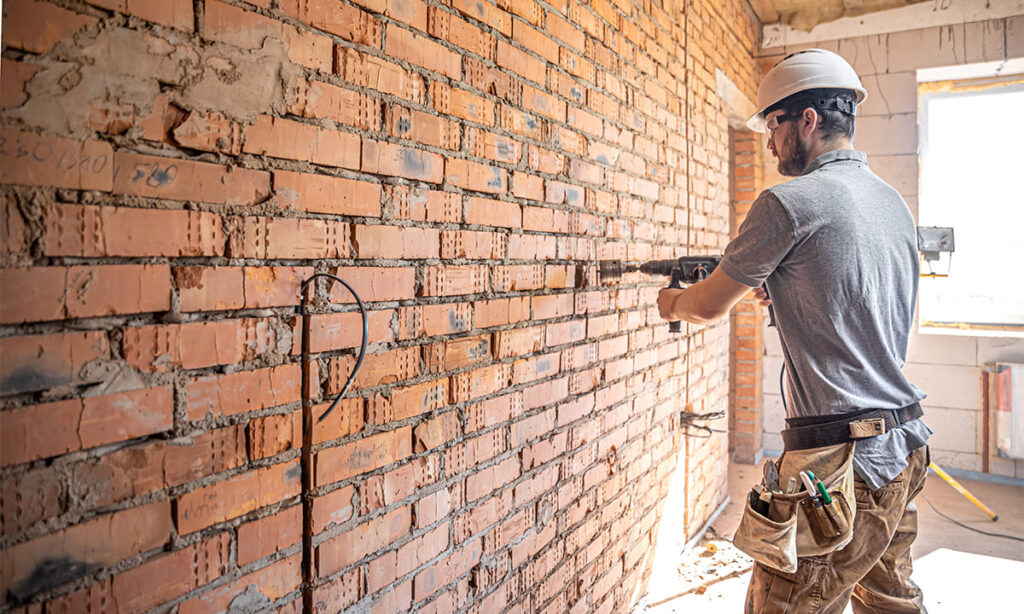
<point x="793" y="156"/>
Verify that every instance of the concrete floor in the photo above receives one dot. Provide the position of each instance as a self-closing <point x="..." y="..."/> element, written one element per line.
<point x="959" y="570"/>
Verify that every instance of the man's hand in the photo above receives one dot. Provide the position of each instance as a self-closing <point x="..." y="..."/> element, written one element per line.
<point x="762" y="295"/>
<point x="705" y="302"/>
<point x="666" y="301"/>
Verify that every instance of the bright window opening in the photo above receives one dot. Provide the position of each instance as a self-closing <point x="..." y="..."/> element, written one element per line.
<point x="972" y="178"/>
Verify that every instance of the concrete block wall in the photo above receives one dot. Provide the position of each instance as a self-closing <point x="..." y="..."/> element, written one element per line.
<point x="171" y="171"/>
<point x="948" y="368"/>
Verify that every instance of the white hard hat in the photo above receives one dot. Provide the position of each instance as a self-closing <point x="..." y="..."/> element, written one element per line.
<point x="800" y="71"/>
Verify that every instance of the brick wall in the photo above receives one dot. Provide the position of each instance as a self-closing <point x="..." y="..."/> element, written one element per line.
<point x="746" y="351"/>
<point x="172" y="171"/>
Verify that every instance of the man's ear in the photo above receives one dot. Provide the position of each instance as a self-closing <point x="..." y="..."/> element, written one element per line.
<point x="808" y="121"/>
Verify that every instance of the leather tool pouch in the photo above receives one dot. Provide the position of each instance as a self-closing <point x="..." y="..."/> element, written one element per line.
<point x="793" y="526"/>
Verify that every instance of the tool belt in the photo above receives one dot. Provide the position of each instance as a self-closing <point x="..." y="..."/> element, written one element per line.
<point x="817" y="432"/>
<point x="780" y="525"/>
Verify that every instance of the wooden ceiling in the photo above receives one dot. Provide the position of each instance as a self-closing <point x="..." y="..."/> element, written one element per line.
<point x="805" y="14"/>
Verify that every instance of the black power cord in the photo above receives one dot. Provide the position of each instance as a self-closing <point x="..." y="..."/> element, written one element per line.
<point x="969" y="528"/>
<point x="362" y="348"/>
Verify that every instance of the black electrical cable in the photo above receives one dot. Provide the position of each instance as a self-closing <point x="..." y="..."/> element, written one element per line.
<point x="687" y="419"/>
<point x="782" y="389"/>
<point x="362" y="348"/>
<point x="969" y="528"/>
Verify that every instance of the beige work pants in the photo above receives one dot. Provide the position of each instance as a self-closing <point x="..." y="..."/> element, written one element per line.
<point x="874" y="568"/>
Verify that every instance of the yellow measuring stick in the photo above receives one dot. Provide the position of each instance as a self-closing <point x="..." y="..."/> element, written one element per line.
<point x="963" y="491"/>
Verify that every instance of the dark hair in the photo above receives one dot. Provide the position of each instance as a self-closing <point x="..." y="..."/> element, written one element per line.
<point x="835" y="107"/>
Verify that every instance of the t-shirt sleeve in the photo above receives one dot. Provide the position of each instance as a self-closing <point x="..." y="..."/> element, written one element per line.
<point x="763" y="240"/>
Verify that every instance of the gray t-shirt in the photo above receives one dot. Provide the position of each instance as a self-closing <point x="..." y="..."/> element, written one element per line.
<point x="837" y="249"/>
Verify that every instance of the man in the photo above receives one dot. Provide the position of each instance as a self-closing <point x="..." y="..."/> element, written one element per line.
<point x="836" y="249"/>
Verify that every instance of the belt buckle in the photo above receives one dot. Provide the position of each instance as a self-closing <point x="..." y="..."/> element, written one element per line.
<point x="860" y="429"/>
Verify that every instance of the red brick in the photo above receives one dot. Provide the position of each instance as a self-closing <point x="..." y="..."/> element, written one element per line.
<point x="520" y="62"/>
<point x="209" y="288"/>
<point x="407" y="45"/>
<point x="518" y="342"/>
<point x="174" y="13"/>
<point x="318" y="100"/>
<point x="38" y="362"/>
<point x="460" y="33"/>
<point x="332" y="508"/>
<point x="245" y="29"/>
<point x="518" y="277"/>
<point x="325" y="194"/>
<point x="564" y="31"/>
<point x="13" y="76"/>
<point x="500" y="312"/>
<point x="383" y="368"/>
<point x="472" y="244"/>
<point x="12" y="228"/>
<point x="475" y="176"/>
<point x="337" y="331"/>
<point x="196" y="345"/>
<point x="485" y="144"/>
<point x="101" y="541"/>
<point x="88" y="231"/>
<point x="480" y="382"/>
<point x="165" y="577"/>
<point x="342" y="19"/>
<point x="545" y="160"/>
<point x="488" y="212"/>
<point x="177" y="179"/>
<point x="242" y="391"/>
<point x="347" y="418"/>
<point x="422" y="127"/>
<point x="436" y="432"/>
<point x="347" y="548"/>
<point x="26" y="498"/>
<point x="264" y="585"/>
<point x="376" y="73"/>
<point x="430" y="580"/>
<point x="236" y="496"/>
<point x="536" y="41"/>
<point x="434" y="320"/>
<point x="274" y="434"/>
<point x="432" y="508"/>
<point x="460" y="103"/>
<point x="285" y="138"/>
<point x="485" y="12"/>
<point x="493" y="411"/>
<point x="545" y="104"/>
<point x="450" y="280"/>
<point x="146" y="468"/>
<point x="379" y="283"/>
<point x="37" y="26"/>
<point x="519" y="122"/>
<point x="482" y="482"/>
<point x="369" y="453"/>
<point x="396" y="160"/>
<point x="340" y="593"/>
<point x="32" y="159"/>
<point x="458" y="353"/>
<point x="288" y="238"/>
<point x="395" y="564"/>
<point x="424" y="205"/>
<point x="540" y="395"/>
<point x="263" y="537"/>
<point x="401" y="403"/>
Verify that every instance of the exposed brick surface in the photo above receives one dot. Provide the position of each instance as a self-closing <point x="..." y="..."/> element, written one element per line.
<point x="170" y="174"/>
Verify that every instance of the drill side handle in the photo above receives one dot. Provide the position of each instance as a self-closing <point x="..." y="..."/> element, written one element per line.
<point x="675" y="326"/>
